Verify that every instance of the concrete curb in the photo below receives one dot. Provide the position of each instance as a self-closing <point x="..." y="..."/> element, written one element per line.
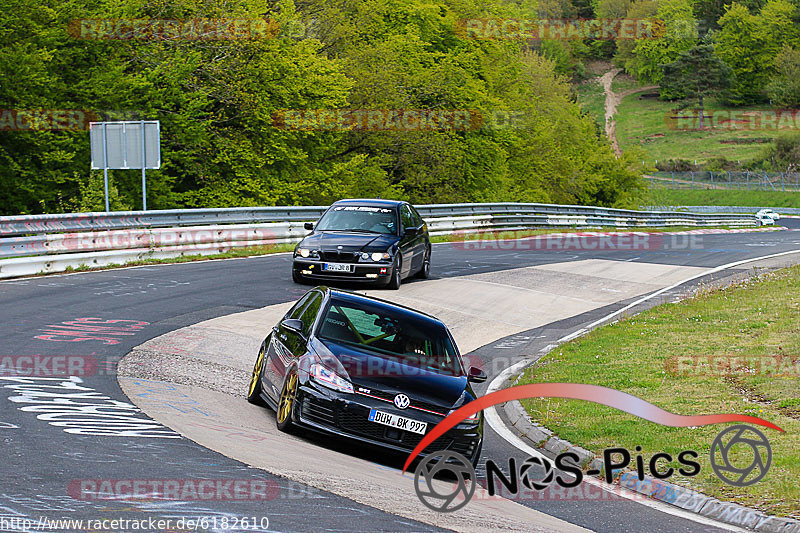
<point x="539" y="436"/>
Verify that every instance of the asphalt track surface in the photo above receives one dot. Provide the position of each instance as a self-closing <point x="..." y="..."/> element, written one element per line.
<point x="43" y="464"/>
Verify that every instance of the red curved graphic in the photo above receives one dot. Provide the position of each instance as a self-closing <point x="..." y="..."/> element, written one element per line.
<point x="577" y="391"/>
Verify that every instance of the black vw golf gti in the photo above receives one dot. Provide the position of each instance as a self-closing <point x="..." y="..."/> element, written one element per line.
<point x="379" y="241"/>
<point x="359" y="367"/>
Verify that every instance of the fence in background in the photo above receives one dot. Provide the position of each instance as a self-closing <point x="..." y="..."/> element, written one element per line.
<point x="31" y="244"/>
<point x="746" y="180"/>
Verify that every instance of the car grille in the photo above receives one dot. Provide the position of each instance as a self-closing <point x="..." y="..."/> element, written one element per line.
<point x="321" y="412"/>
<point x="339" y="257"/>
<point x="355" y="421"/>
<point x="414" y="403"/>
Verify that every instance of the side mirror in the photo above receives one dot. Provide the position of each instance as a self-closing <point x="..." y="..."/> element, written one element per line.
<point x="295" y="325"/>
<point x="412" y="231"/>
<point x="309" y="226"/>
<point x="476" y="375"/>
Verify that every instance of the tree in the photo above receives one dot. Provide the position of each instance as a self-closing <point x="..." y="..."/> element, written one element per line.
<point x="749" y="43"/>
<point x="678" y="34"/>
<point x="784" y="89"/>
<point x="697" y="74"/>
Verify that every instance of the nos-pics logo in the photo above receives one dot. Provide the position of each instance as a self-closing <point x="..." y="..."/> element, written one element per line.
<point x="445" y="480"/>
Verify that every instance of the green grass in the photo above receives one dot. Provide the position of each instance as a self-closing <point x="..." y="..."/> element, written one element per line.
<point x="622" y="83"/>
<point x="757" y="317"/>
<point x="642" y="123"/>
<point x="592" y="100"/>
<point x="659" y="196"/>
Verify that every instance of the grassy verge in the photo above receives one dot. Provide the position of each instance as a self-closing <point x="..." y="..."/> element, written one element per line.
<point x="776" y="199"/>
<point x="288" y="247"/>
<point x="757" y="317"/>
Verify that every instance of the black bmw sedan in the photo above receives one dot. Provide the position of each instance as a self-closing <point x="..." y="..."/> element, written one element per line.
<point x="363" y="368"/>
<point x="378" y="241"/>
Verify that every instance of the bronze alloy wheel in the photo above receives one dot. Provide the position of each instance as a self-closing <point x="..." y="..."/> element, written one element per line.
<point x="286" y="402"/>
<point x="254" y="390"/>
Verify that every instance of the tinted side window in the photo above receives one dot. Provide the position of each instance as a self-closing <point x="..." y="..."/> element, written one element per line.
<point x="417" y="219"/>
<point x="310" y="313"/>
<point x="406" y="218"/>
<point x="295" y="311"/>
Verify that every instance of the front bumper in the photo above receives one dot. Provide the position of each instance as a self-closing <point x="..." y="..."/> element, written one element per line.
<point x="312" y="269"/>
<point x="347" y="415"/>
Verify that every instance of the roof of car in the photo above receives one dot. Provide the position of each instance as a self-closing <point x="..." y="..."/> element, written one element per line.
<point x="355" y="298"/>
<point x="369" y="202"/>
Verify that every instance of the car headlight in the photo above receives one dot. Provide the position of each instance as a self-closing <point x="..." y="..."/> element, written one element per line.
<point x="303" y="252"/>
<point x="378" y="256"/>
<point x="329" y="378"/>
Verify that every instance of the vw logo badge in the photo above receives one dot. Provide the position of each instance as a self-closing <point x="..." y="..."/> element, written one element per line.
<point x="401" y="401"/>
<point x="338" y="247"/>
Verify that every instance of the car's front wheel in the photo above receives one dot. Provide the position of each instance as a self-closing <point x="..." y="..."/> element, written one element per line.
<point x="286" y="401"/>
<point x="395" y="281"/>
<point x="254" y="390"/>
<point x="425" y="269"/>
<point x="297" y="277"/>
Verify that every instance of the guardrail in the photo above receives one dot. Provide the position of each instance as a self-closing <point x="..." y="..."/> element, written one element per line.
<point x="737" y="209"/>
<point x="30" y="244"/>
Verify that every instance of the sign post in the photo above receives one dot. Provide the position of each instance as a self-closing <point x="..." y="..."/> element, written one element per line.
<point x="126" y="145"/>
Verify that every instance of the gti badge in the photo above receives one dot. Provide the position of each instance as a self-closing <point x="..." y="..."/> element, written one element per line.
<point x="401" y="401"/>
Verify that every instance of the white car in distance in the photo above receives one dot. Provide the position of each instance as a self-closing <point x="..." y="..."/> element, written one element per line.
<point x="771" y="213"/>
<point x="764" y="220"/>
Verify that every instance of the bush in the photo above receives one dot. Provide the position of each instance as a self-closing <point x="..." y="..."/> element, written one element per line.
<point x="676" y="165"/>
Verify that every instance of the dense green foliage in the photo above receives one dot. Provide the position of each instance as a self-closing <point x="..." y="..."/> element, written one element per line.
<point x="696" y="74"/>
<point x="216" y="100"/>
<point x="757" y="39"/>
<point x="749" y="43"/>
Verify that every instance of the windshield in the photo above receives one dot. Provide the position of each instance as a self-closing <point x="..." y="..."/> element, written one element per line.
<point x="395" y="336"/>
<point x="358" y="218"/>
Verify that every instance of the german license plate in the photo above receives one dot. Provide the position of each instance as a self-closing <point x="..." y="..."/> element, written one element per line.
<point x="336" y="267"/>
<point x="399" y="422"/>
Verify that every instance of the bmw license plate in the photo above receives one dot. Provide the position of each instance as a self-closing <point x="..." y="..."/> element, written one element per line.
<point x="399" y="422"/>
<point x="337" y="267"/>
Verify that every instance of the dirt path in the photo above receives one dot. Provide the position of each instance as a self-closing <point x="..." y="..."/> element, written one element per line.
<point x="612" y="101"/>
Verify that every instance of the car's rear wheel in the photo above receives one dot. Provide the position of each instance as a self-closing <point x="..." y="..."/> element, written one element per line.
<point x="395" y="281"/>
<point x="286" y="401"/>
<point x="425" y="270"/>
<point x="254" y="390"/>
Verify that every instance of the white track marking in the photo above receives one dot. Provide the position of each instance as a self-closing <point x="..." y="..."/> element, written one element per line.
<point x="497" y="425"/>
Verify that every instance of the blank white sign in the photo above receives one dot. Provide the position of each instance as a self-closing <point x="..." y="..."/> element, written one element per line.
<point x="123" y="144"/>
